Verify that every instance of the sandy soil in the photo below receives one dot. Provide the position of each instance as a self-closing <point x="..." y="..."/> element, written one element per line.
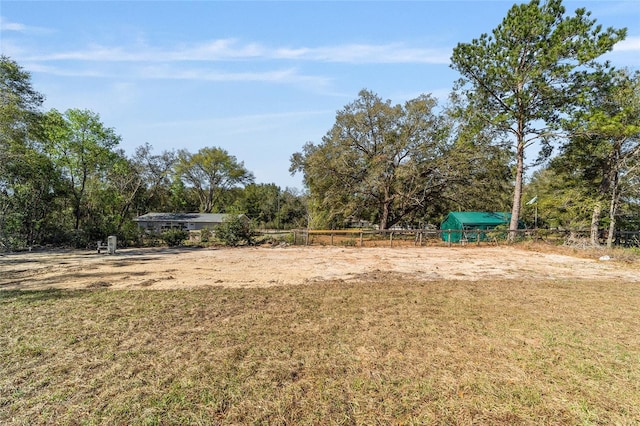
<point x="264" y="267"/>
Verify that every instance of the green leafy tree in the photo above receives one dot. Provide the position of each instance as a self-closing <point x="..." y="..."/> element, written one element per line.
<point x="292" y="210"/>
<point x="604" y="150"/>
<point x="82" y="148"/>
<point x="125" y="188"/>
<point x="270" y="207"/>
<point x="260" y="202"/>
<point x="156" y="171"/>
<point x="380" y="161"/>
<point x="485" y="184"/>
<point x="211" y="172"/>
<point x="522" y="76"/>
<point x="28" y="181"/>
<point x="564" y="199"/>
<point x="20" y="113"/>
<point x="30" y="194"/>
<point x="180" y="198"/>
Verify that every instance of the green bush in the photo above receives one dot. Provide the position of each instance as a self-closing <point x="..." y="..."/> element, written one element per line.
<point x="205" y="235"/>
<point x="287" y="239"/>
<point x="174" y="237"/>
<point x="236" y="231"/>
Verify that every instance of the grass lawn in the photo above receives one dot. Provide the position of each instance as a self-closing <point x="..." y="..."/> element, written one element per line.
<point x="389" y="351"/>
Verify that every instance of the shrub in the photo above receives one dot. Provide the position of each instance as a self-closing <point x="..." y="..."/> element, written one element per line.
<point x="174" y="237"/>
<point x="205" y="235"/>
<point x="287" y="239"/>
<point x="235" y="231"/>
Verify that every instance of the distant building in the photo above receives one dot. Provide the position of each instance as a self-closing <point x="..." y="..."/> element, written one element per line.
<point x="355" y="222"/>
<point x="469" y="225"/>
<point x="158" y="222"/>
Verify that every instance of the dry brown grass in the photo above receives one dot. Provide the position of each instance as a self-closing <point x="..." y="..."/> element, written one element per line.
<point x="622" y="255"/>
<point x="383" y="351"/>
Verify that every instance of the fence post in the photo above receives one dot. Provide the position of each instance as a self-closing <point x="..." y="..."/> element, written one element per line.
<point x="391" y="239"/>
<point x="360" y="238"/>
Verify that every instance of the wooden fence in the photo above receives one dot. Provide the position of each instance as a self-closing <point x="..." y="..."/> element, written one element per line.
<point x="434" y="237"/>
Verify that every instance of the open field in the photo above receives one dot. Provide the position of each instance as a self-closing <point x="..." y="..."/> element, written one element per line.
<point x="319" y="336"/>
<point x="163" y="268"/>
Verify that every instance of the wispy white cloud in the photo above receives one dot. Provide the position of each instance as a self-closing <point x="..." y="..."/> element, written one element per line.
<point x="232" y="50"/>
<point x="367" y="53"/>
<point x="35" y="66"/>
<point x="237" y="122"/>
<point x="8" y="26"/>
<point x="11" y="26"/>
<point x="625" y="53"/>
<point x="217" y="50"/>
<point x="242" y="129"/>
<point x="180" y="62"/>
<point x="92" y="53"/>
<point x="166" y="72"/>
<point x="288" y="75"/>
<point x="630" y="44"/>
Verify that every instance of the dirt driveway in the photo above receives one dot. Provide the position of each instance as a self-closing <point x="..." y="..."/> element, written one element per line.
<point x="265" y="266"/>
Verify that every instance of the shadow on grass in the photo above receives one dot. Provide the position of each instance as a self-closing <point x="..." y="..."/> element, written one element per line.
<point x="37" y="296"/>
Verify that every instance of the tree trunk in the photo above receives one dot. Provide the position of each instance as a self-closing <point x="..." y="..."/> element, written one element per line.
<point x="77" y="212"/>
<point x="595" y="220"/>
<point x="384" y="217"/>
<point x="613" y="210"/>
<point x="79" y="196"/>
<point x="517" y="192"/>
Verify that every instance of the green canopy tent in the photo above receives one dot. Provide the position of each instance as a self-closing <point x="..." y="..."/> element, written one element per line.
<point x="470" y="224"/>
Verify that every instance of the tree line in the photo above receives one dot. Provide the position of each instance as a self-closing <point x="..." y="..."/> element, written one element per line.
<point x="64" y="181"/>
<point x="536" y="81"/>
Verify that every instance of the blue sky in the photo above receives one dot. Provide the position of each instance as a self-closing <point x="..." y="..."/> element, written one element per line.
<point x="258" y="79"/>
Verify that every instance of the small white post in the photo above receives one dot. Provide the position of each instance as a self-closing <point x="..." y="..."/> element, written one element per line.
<point x="112" y="243"/>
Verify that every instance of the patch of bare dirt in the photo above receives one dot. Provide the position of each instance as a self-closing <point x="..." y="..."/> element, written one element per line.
<point x="265" y="267"/>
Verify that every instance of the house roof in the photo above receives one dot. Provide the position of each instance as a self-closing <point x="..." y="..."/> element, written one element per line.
<point x="480" y="218"/>
<point x="184" y="217"/>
